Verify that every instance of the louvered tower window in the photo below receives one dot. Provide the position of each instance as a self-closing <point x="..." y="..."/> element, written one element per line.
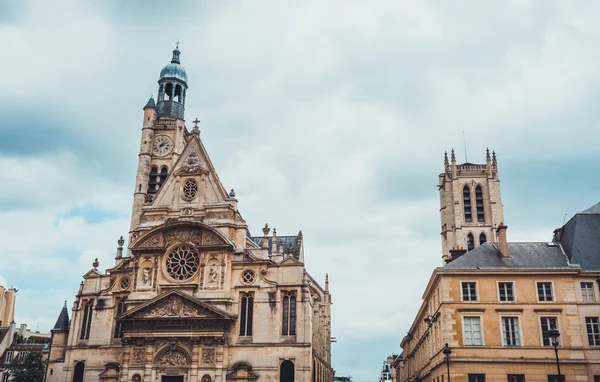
<point x="470" y="242"/>
<point x="153" y="181"/>
<point x="482" y="239"/>
<point x="467" y="204"/>
<point x="479" y="204"/>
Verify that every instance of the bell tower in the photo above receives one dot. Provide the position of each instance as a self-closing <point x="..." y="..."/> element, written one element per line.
<point x="470" y="204"/>
<point x="163" y="135"/>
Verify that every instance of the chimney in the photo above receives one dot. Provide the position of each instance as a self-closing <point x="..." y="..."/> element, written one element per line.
<point x="502" y="243"/>
<point x="455" y="253"/>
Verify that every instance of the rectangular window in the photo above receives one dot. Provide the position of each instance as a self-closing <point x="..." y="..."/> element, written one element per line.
<point x="587" y="291"/>
<point x="544" y="290"/>
<point x="21" y="356"/>
<point x="506" y="292"/>
<point x="596" y="378"/>
<point x="469" y="291"/>
<point x="547" y="323"/>
<point x="9" y="356"/>
<point x="288" y="325"/>
<point x="593" y="331"/>
<point x="510" y="331"/>
<point x="556" y="378"/>
<point x="516" y="378"/>
<point x="5" y="377"/>
<point x="476" y="377"/>
<point x="472" y="331"/>
<point x="246" y="313"/>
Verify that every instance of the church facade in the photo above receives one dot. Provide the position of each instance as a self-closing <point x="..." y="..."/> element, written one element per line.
<point x="194" y="296"/>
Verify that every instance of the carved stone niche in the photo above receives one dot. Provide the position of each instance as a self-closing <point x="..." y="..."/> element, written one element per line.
<point x="173" y="356"/>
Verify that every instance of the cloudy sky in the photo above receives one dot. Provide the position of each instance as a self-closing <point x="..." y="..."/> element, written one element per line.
<point x="327" y="116"/>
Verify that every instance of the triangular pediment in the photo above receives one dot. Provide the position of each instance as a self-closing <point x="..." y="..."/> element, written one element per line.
<point x="289" y="261"/>
<point x="175" y="304"/>
<point x="194" y="165"/>
<point x="92" y="273"/>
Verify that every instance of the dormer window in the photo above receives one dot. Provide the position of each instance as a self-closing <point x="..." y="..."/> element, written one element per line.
<point x="467" y="204"/>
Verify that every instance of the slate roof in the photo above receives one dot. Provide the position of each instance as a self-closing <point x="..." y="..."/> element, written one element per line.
<point x="522" y="256"/>
<point x="580" y="238"/>
<point x="282" y="241"/>
<point x="62" y="323"/>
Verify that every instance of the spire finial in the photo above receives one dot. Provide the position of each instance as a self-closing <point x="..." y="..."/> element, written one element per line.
<point x="446" y="158"/>
<point x="494" y="161"/>
<point x="196" y="129"/>
<point x="96" y="263"/>
<point x="487" y="154"/>
<point x="176" y="54"/>
<point x="452" y="157"/>
<point x="177" y="43"/>
<point x="120" y="242"/>
<point x="326" y="282"/>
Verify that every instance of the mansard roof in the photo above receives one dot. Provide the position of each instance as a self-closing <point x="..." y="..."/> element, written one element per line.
<point x="580" y="238"/>
<point x="534" y="255"/>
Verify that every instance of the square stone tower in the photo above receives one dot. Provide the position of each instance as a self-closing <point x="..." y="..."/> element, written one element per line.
<point x="470" y="204"/>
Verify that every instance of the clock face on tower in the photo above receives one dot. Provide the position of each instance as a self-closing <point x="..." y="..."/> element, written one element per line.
<point x="162" y="145"/>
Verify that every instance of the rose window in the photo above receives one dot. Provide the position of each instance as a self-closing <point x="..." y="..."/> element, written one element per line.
<point x="182" y="262"/>
<point x="190" y="189"/>
<point x="124" y="283"/>
<point x="248" y="277"/>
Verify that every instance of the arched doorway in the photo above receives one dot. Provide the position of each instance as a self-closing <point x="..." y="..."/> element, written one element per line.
<point x="206" y="378"/>
<point x="286" y="371"/>
<point x="78" y="372"/>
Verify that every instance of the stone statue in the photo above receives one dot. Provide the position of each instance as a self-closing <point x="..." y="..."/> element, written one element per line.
<point x="213" y="274"/>
<point x="146" y="275"/>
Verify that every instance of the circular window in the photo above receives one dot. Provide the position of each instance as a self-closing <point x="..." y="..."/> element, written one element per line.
<point x="124" y="283"/>
<point x="190" y="189"/>
<point x="182" y="262"/>
<point x="248" y="277"/>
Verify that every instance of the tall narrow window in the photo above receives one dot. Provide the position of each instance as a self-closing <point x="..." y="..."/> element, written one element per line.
<point x="510" y="331"/>
<point x="246" y="313"/>
<point x="118" y="327"/>
<point x="587" y="291"/>
<point x="469" y="291"/>
<point x="87" y="321"/>
<point x="470" y="242"/>
<point x="547" y="323"/>
<point x="544" y="290"/>
<point x="472" y="331"/>
<point x="479" y="204"/>
<point x="288" y="326"/>
<point x="162" y="176"/>
<point x="593" y="331"/>
<point x="482" y="239"/>
<point x="506" y="292"/>
<point x="467" y="204"/>
<point x="516" y="378"/>
<point x="153" y="181"/>
<point x="9" y="356"/>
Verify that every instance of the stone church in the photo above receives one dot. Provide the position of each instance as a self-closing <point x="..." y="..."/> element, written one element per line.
<point x="194" y="296"/>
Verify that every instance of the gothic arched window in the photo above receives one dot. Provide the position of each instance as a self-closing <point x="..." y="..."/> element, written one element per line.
<point x="479" y="204"/>
<point x="162" y="176"/>
<point x="153" y="181"/>
<point x="286" y="371"/>
<point x="482" y="239"/>
<point x="86" y="323"/>
<point x="246" y="313"/>
<point x="467" y="204"/>
<point x="470" y="242"/>
<point x="78" y="372"/>
<point x="118" y="328"/>
<point x="288" y="324"/>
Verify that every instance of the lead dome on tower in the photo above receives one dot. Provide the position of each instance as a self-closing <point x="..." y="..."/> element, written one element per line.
<point x="174" y="69"/>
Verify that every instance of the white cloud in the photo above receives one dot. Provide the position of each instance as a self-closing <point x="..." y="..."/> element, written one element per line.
<point x="329" y="117"/>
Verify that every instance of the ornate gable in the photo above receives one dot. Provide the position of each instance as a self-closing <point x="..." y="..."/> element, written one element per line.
<point x="194" y="233"/>
<point x="192" y="182"/>
<point x="176" y="305"/>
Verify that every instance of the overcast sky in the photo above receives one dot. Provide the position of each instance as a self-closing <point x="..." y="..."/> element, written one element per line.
<point x="329" y="117"/>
